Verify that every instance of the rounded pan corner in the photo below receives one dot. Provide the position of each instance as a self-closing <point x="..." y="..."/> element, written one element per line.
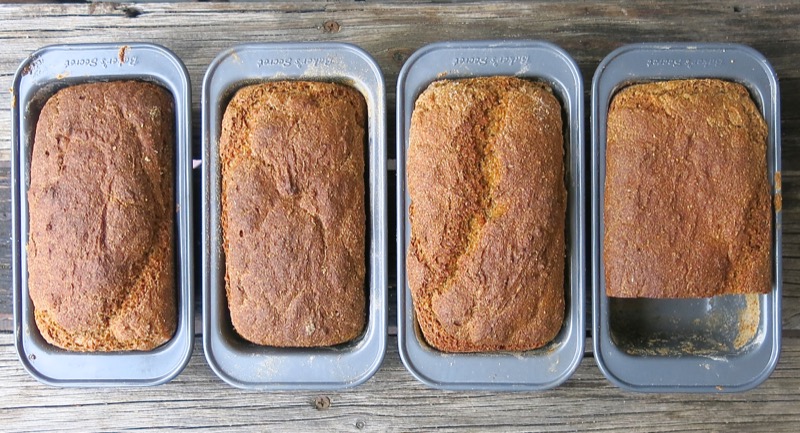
<point x="25" y="361"/>
<point x="219" y="371"/>
<point x="402" y="76"/>
<point x="566" y="373"/>
<point x="183" y="361"/>
<point x="765" y="64"/>
<point x="24" y="68"/>
<point x="166" y="377"/>
<point x="771" y="363"/>
<point x="419" y="376"/>
<point x="365" y="375"/>
<point x="217" y="61"/>
<point x="605" y="368"/>
<point x="769" y="368"/>
<point x="377" y="361"/>
<point x="756" y="380"/>
<point x="156" y="48"/>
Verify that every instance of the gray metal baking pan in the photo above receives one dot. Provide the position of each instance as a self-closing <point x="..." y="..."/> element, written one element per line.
<point x="685" y="345"/>
<point x="39" y="77"/>
<point x="233" y="359"/>
<point x="552" y="364"/>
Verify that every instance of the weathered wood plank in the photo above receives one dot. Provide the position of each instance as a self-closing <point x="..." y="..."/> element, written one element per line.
<point x="391" y="31"/>
<point x="393" y="401"/>
<point x="5" y="239"/>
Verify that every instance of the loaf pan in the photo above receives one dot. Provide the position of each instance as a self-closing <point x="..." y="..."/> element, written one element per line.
<point x="552" y="364"/>
<point x="238" y="362"/>
<point x="685" y="345"/>
<point x="39" y="77"/>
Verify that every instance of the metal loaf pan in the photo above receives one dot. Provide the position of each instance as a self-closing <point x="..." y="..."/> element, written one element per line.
<point x="685" y="345"/>
<point x="39" y="77"/>
<point x="552" y="364"/>
<point x="236" y="361"/>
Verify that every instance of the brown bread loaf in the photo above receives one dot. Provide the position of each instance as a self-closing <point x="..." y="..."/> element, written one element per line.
<point x="293" y="216"/>
<point x="100" y="252"/>
<point x="485" y="173"/>
<point x="687" y="199"/>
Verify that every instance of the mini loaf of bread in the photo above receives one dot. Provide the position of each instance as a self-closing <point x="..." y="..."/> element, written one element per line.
<point x="687" y="198"/>
<point x="293" y="217"/>
<point x="100" y="253"/>
<point x="485" y="173"/>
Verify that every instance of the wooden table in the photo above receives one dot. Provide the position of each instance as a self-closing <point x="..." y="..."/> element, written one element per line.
<point x="392" y="399"/>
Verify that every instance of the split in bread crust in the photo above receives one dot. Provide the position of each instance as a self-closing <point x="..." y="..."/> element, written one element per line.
<point x="485" y="173"/>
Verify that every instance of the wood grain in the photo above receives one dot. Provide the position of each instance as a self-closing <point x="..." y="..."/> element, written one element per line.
<point x="391" y="31"/>
<point x="393" y="401"/>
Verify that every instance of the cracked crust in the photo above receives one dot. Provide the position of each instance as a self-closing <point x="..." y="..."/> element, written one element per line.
<point x="293" y="217"/>
<point x="687" y="199"/>
<point x="488" y="202"/>
<point x="100" y="251"/>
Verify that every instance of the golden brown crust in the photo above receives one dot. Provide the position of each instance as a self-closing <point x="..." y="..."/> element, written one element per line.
<point x="100" y="252"/>
<point x="687" y="200"/>
<point x="293" y="216"/>
<point x="485" y="173"/>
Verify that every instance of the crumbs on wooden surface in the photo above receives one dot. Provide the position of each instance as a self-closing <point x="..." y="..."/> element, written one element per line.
<point x="121" y="53"/>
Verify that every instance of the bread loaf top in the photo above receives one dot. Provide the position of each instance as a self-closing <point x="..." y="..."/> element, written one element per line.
<point x="293" y="216"/>
<point x="100" y="261"/>
<point x="687" y="198"/>
<point x="485" y="173"/>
